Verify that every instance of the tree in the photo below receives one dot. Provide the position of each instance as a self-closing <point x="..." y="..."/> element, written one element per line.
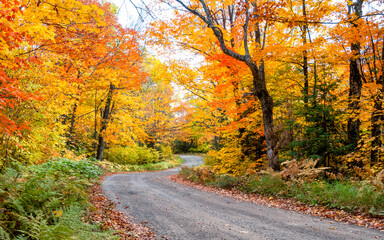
<point x="355" y="11"/>
<point x="249" y="42"/>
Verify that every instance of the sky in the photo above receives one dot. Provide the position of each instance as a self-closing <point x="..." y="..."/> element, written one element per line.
<point x="135" y="14"/>
<point x="128" y="13"/>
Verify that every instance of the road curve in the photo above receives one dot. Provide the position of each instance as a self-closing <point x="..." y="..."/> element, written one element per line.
<point x="176" y="211"/>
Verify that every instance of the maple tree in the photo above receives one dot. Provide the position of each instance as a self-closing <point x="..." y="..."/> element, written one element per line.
<point x="313" y="59"/>
<point x="49" y="67"/>
<point x="255" y="62"/>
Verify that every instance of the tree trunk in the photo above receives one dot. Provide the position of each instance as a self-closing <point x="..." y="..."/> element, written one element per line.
<point x="377" y="117"/>
<point x="377" y="114"/>
<point x="305" y="58"/>
<point x="270" y="138"/>
<point x="106" y="114"/>
<point x="266" y="101"/>
<point x="355" y="85"/>
<point x="72" y="126"/>
<point x="216" y="143"/>
<point x="355" y="81"/>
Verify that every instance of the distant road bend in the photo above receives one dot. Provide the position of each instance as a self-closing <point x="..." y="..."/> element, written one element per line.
<point x="176" y="211"/>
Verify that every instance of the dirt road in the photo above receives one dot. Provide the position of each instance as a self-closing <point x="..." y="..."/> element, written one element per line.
<point x="176" y="211"/>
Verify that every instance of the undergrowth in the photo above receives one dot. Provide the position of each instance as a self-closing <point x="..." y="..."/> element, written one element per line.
<point x="133" y="155"/>
<point x="48" y="201"/>
<point x="301" y="182"/>
<point x="107" y="166"/>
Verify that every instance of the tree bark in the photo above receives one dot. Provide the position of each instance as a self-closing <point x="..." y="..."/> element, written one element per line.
<point x="106" y="115"/>
<point x="355" y="80"/>
<point x="72" y="125"/>
<point x="377" y="117"/>
<point x="305" y="57"/>
<point x="377" y="114"/>
<point x="266" y="102"/>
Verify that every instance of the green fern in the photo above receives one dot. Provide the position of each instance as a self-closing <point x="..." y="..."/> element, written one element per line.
<point x="3" y="234"/>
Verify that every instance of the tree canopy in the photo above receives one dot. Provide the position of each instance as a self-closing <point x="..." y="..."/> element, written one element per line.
<point x="276" y="81"/>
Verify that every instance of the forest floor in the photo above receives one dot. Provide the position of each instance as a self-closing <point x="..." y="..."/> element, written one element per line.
<point x="176" y="211"/>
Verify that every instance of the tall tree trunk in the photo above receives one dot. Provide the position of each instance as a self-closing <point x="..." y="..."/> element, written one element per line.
<point x="266" y="101"/>
<point x="305" y="57"/>
<point x="72" y="125"/>
<point x="95" y="127"/>
<point x="377" y="114"/>
<point x="377" y="118"/>
<point x="355" y="80"/>
<point x="106" y="115"/>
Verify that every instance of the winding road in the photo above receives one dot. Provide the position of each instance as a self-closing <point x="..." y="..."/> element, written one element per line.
<point x="176" y="211"/>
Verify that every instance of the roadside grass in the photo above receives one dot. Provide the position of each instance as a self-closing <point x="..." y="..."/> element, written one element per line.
<point x="351" y="196"/>
<point x="48" y="201"/>
<point x="111" y="167"/>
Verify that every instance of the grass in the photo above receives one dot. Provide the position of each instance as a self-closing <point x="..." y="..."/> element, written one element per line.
<point x="358" y="196"/>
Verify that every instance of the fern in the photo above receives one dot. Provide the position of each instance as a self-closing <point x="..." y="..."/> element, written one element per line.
<point x="3" y="234"/>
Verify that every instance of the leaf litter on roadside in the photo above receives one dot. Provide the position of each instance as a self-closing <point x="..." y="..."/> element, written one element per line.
<point x="289" y="204"/>
<point x="107" y="216"/>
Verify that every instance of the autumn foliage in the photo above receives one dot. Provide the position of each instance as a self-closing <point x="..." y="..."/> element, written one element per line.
<point x="70" y="76"/>
<point x="254" y="84"/>
<point x="321" y="63"/>
<point x="273" y="81"/>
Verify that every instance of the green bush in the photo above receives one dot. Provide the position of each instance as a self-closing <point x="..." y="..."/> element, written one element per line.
<point x="132" y="155"/>
<point x="266" y="184"/>
<point x="47" y="201"/>
<point x="61" y="167"/>
<point x="226" y="181"/>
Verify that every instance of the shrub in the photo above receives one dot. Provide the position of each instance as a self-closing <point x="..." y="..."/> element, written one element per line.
<point x="226" y="181"/>
<point x="301" y="170"/>
<point x="226" y="161"/>
<point x="268" y="184"/>
<point x="132" y="155"/>
<point x="200" y="174"/>
<point x="166" y="152"/>
<point x="61" y="167"/>
<point x="230" y="160"/>
<point x="188" y="173"/>
<point x="47" y="201"/>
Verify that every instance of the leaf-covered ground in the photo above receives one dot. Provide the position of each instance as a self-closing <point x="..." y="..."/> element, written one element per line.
<point x="108" y="217"/>
<point x="289" y="204"/>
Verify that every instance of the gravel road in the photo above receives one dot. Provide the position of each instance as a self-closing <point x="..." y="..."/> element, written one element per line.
<point x="176" y="211"/>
